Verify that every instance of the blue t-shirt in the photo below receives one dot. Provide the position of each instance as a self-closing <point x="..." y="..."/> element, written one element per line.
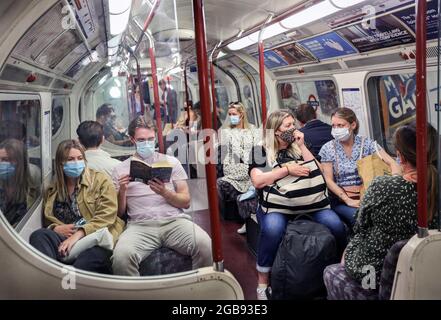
<point x="347" y="168"/>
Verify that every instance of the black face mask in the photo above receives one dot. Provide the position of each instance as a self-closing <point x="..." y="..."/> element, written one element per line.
<point x="288" y="136"/>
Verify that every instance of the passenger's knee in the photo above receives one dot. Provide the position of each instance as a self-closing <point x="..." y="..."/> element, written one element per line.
<point x="39" y="235"/>
<point x="124" y="254"/>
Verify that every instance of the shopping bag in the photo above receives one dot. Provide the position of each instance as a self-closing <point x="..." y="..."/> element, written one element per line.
<point x="370" y="167"/>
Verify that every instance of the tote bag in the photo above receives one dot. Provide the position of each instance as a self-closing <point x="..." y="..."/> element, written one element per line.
<point x="297" y="195"/>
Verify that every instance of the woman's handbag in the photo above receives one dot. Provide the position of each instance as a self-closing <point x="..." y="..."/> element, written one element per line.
<point x="297" y="195"/>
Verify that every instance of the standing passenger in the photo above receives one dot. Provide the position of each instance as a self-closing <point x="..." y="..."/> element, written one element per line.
<point x="339" y="160"/>
<point x="91" y="136"/>
<point x="155" y="210"/>
<point x="280" y="135"/>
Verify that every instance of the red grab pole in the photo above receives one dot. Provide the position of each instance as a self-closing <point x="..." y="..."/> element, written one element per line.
<point x="262" y="82"/>
<point x="156" y="97"/>
<point x="204" y="94"/>
<point x="421" y="117"/>
<point x="213" y="96"/>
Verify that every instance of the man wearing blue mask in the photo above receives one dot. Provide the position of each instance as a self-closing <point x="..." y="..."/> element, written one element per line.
<point x="155" y="210"/>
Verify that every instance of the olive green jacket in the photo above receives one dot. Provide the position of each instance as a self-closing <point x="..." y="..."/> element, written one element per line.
<point x="97" y="202"/>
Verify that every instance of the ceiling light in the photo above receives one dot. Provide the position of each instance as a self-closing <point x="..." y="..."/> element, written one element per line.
<point x="115" y="93"/>
<point x="221" y="54"/>
<point x="119" y="6"/>
<point x="345" y="3"/>
<point x="118" y="23"/>
<point x="241" y="43"/>
<point x="310" y="14"/>
<point x="268" y="32"/>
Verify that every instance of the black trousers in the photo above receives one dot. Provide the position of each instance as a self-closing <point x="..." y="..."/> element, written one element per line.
<point x="95" y="259"/>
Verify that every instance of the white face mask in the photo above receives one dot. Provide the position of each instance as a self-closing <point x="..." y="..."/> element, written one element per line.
<point x="341" y="134"/>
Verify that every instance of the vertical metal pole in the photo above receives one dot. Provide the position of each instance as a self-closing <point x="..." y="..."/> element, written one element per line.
<point x="156" y="97"/>
<point x="421" y="117"/>
<point x="204" y="93"/>
<point x="438" y="112"/>
<point x="213" y="96"/>
<point x="138" y="71"/>
<point x="187" y="123"/>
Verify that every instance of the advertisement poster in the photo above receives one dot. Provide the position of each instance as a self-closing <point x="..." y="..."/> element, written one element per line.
<point x="273" y="60"/>
<point x="389" y="31"/>
<point x="327" y="95"/>
<point x="408" y="17"/>
<point x="294" y="54"/>
<point x="328" y="46"/>
<point x="398" y="100"/>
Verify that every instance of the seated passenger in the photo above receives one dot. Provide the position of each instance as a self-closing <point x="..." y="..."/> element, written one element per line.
<point x="339" y="160"/>
<point x="19" y="181"/>
<point x="237" y="139"/>
<point x="91" y="136"/>
<point x="316" y="132"/>
<point x="283" y="143"/>
<point x="155" y="215"/>
<point x="105" y="115"/>
<point x="387" y="214"/>
<point x="77" y="192"/>
<point x="195" y="118"/>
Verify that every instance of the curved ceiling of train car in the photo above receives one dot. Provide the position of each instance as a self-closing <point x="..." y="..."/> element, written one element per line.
<point x="59" y="56"/>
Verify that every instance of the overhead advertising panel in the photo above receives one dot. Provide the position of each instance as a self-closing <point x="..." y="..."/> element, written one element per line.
<point x="328" y="46"/>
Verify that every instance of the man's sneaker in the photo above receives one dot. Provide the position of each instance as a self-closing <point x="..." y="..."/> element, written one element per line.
<point x="264" y="293"/>
<point x="242" y="230"/>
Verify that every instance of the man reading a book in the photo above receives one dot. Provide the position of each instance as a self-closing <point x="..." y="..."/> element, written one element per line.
<point x="155" y="208"/>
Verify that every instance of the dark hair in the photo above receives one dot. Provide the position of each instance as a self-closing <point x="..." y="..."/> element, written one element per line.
<point x="305" y="113"/>
<point x="162" y="82"/>
<point x="104" y="110"/>
<point x="90" y="134"/>
<point x="348" y="115"/>
<point x="140" y="122"/>
<point x="405" y="143"/>
<point x="197" y="106"/>
<point x="12" y="129"/>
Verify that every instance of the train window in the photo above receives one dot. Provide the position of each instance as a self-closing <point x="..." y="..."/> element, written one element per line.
<point x="222" y="100"/>
<point x="20" y="156"/>
<point x="392" y="101"/>
<point x="113" y="111"/>
<point x="321" y="93"/>
<point x="60" y="104"/>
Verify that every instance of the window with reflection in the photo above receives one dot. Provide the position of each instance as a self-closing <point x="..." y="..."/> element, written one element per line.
<point x="393" y="103"/>
<point x="20" y="157"/>
<point x="322" y="94"/>
<point x="59" y="105"/>
<point x="113" y="111"/>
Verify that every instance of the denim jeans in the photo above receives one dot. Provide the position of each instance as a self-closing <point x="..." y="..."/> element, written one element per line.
<point x="273" y="226"/>
<point x="346" y="213"/>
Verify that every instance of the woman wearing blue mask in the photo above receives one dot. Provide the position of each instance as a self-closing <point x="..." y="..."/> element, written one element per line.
<point x="19" y="186"/>
<point x="77" y="194"/>
<point x="339" y="160"/>
<point x="236" y="142"/>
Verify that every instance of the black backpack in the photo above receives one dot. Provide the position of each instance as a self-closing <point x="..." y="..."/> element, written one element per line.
<point x="306" y="249"/>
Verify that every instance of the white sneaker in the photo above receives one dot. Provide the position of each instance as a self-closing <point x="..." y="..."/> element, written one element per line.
<point x="262" y="293"/>
<point x="242" y="230"/>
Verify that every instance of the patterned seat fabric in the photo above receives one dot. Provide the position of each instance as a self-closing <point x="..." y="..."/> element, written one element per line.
<point x="164" y="261"/>
<point x="247" y="207"/>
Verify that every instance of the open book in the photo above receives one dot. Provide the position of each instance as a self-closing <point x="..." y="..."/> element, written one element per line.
<point x="143" y="172"/>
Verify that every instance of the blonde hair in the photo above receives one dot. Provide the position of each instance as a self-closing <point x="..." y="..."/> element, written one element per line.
<point x="61" y="157"/>
<point x="273" y="123"/>
<point x="239" y="107"/>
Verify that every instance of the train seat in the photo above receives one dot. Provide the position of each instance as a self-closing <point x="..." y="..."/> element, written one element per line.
<point x="165" y="261"/>
<point x="345" y="288"/>
<point x="253" y="233"/>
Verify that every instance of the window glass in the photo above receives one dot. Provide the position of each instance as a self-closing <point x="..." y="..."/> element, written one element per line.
<point x="319" y="93"/>
<point x="393" y="103"/>
<point x="113" y="111"/>
<point x="20" y="157"/>
<point x="60" y="104"/>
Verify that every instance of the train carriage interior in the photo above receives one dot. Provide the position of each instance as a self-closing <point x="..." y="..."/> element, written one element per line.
<point x="182" y="65"/>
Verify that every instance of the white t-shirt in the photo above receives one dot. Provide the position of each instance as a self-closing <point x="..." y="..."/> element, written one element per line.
<point x="142" y="202"/>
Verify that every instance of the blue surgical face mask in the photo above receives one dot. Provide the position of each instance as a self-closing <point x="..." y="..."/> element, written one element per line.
<point x="235" y="120"/>
<point x="74" y="169"/>
<point x="145" y="149"/>
<point x="7" y="170"/>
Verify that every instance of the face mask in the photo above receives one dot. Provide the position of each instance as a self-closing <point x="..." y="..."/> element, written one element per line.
<point x="7" y="170"/>
<point x="74" y="169"/>
<point x="145" y="148"/>
<point x="288" y="136"/>
<point x="341" y="134"/>
<point x="234" y="119"/>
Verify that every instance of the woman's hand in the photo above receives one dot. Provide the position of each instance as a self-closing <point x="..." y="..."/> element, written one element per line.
<point x="298" y="170"/>
<point x="66" y="230"/>
<point x="352" y="203"/>
<point x="65" y="247"/>
<point x="299" y="138"/>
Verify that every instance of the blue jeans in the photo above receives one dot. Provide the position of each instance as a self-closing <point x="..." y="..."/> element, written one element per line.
<point x="272" y="229"/>
<point x="345" y="212"/>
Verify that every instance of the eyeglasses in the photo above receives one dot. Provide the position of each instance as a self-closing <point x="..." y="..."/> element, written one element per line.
<point x="232" y="103"/>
